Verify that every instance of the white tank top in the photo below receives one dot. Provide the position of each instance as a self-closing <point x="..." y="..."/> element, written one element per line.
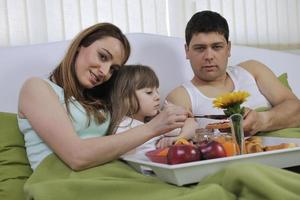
<point x="242" y="80"/>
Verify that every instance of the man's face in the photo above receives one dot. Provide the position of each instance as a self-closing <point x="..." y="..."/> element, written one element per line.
<point x="208" y="54"/>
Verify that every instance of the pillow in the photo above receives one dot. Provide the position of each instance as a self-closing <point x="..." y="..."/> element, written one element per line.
<point x="14" y="166"/>
<point x="283" y="78"/>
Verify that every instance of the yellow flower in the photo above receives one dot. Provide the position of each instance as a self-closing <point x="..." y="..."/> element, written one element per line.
<point x="229" y="99"/>
<point x="231" y="102"/>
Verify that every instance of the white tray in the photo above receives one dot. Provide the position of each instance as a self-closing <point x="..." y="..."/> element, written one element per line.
<point x="193" y="172"/>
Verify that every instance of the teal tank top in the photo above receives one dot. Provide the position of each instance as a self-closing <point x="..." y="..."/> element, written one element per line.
<point x="37" y="149"/>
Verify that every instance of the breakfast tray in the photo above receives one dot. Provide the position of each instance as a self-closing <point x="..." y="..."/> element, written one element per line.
<point x="192" y="172"/>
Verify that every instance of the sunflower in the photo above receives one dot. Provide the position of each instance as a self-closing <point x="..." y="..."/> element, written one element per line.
<point x="231" y="102"/>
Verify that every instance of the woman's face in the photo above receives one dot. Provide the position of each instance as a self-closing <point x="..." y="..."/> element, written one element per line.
<point x="96" y="63"/>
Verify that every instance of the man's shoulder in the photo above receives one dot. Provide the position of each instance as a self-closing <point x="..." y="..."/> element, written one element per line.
<point x="179" y="90"/>
<point x="179" y="96"/>
<point x="252" y="65"/>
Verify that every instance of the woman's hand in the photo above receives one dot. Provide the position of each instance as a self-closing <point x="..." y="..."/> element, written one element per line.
<point x="169" y="118"/>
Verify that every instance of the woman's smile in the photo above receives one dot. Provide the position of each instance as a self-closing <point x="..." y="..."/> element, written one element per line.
<point x="94" y="78"/>
<point x="93" y="69"/>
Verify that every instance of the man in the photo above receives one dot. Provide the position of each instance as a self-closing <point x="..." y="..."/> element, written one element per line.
<point x="208" y="49"/>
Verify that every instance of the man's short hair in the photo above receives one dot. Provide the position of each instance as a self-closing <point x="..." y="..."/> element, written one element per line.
<point x="205" y="22"/>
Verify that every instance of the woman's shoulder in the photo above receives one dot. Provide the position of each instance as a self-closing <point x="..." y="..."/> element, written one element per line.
<point x="37" y="86"/>
<point x="34" y="91"/>
<point x="35" y="81"/>
<point x="32" y="84"/>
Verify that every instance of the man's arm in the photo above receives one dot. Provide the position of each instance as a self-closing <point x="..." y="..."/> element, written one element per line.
<point x="285" y="111"/>
<point x="180" y="97"/>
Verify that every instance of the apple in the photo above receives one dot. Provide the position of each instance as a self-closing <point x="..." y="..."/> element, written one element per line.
<point x="211" y="149"/>
<point x="182" y="153"/>
<point x="158" y="155"/>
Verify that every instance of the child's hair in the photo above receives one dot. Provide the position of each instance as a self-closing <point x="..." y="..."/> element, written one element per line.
<point x="205" y="22"/>
<point x="129" y="79"/>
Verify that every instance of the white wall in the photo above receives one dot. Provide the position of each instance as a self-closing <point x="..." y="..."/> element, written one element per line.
<point x="262" y="23"/>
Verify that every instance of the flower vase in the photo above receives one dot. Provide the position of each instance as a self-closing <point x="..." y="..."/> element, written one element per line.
<point x="238" y="132"/>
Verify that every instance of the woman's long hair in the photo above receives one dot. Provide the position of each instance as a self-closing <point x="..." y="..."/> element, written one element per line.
<point x="128" y="80"/>
<point x="96" y="99"/>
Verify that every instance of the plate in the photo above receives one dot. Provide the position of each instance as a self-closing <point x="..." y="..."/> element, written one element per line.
<point x="193" y="172"/>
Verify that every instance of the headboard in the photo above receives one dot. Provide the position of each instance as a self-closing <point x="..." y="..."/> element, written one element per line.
<point x="165" y="54"/>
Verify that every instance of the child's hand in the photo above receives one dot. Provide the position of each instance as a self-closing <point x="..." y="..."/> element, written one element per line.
<point x="166" y="141"/>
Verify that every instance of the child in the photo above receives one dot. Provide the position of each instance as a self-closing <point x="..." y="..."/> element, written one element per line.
<point x="136" y="100"/>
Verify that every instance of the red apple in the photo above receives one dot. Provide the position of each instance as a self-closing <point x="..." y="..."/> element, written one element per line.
<point x="183" y="153"/>
<point x="158" y="155"/>
<point x="211" y="149"/>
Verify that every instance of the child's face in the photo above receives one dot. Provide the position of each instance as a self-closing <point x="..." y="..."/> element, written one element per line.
<point x="149" y="100"/>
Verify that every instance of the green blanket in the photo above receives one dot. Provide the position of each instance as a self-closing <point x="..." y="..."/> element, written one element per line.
<point x="115" y="180"/>
<point x="285" y="133"/>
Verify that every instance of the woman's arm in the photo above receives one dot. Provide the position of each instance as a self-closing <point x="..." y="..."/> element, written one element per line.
<point x="40" y="105"/>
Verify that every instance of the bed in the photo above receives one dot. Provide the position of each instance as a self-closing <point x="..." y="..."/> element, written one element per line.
<point x="165" y="54"/>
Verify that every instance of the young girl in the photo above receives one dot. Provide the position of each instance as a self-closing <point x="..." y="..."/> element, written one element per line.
<point x="136" y="101"/>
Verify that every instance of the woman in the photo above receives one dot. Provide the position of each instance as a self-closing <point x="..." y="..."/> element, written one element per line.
<point x="69" y="113"/>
